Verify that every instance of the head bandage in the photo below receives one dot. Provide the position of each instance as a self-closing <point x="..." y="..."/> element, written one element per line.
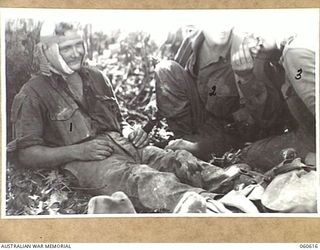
<point x="47" y="50"/>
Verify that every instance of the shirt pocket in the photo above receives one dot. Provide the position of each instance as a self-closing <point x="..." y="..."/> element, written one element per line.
<point x="222" y="95"/>
<point x="70" y="124"/>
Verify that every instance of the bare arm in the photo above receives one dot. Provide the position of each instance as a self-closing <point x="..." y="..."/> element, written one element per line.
<point x="48" y="157"/>
<point x="42" y="156"/>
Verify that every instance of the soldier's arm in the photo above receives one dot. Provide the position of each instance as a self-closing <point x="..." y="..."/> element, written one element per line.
<point x="262" y="97"/>
<point x="48" y="157"/>
<point x="28" y="120"/>
<point x="299" y="65"/>
<point x="27" y="117"/>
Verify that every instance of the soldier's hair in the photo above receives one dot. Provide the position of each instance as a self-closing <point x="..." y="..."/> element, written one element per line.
<point x="62" y="27"/>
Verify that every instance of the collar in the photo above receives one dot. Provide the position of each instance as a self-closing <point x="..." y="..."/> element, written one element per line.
<point x="209" y="54"/>
<point x="58" y="81"/>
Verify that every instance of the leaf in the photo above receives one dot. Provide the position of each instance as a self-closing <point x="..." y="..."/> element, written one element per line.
<point x="40" y="208"/>
<point x="57" y="197"/>
<point x="34" y="197"/>
<point x="20" y="181"/>
<point x="46" y="191"/>
<point x="20" y="201"/>
<point x="51" y="177"/>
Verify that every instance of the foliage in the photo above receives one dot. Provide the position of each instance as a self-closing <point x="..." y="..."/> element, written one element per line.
<point x="42" y="192"/>
<point x="21" y="35"/>
<point x="127" y="59"/>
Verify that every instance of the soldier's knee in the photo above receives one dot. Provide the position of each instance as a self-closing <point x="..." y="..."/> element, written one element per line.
<point x="142" y="169"/>
<point x="164" y="66"/>
<point x="168" y="72"/>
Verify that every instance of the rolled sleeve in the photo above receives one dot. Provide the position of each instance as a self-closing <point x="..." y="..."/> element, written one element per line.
<point x="27" y="121"/>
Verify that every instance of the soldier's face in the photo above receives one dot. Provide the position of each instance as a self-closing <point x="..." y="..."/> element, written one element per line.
<point x="72" y="51"/>
<point x="218" y="35"/>
<point x="222" y="37"/>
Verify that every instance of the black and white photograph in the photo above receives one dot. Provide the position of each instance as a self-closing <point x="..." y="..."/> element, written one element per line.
<point x="159" y="113"/>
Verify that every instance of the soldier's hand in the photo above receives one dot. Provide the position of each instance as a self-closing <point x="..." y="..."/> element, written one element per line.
<point x="139" y="137"/>
<point x="94" y="150"/>
<point x="188" y="168"/>
<point x="242" y="60"/>
<point x="181" y="144"/>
